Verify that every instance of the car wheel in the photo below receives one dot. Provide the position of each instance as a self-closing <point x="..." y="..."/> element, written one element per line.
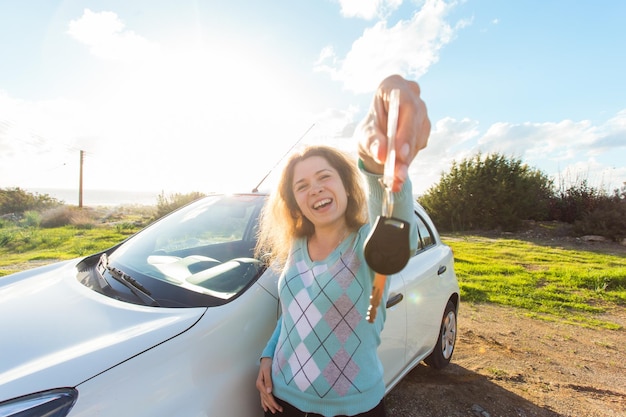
<point x="442" y="353"/>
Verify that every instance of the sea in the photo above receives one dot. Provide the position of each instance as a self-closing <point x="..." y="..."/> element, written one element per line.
<point x="95" y="198"/>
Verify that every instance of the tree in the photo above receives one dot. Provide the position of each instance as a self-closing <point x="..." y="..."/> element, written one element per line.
<point x="488" y="193"/>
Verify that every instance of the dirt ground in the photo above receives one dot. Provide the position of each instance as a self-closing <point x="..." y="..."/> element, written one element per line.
<point x="508" y="364"/>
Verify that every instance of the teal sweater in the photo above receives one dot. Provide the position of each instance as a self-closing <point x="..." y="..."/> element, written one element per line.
<point x="324" y="352"/>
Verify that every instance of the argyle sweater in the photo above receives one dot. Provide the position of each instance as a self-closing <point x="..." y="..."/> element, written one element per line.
<point x="324" y="351"/>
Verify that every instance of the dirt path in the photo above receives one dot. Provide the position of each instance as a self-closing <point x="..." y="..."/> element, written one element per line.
<point x="507" y="364"/>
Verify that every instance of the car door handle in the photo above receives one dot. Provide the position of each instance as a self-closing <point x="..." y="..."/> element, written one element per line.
<point x="441" y="270"/>
<point x="395" y="299"/>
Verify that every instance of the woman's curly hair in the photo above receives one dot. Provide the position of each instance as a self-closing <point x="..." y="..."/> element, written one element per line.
<point x="281" y="220"/>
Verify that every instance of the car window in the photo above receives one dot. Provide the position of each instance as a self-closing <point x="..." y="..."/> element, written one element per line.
<point x="206" y="248"/>
<point x="222" y="222"/>
<point x="425" y="236"/>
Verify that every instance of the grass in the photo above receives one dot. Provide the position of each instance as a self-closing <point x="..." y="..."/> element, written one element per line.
<point x="550" y="283"/>
<point x="20" y="247"/>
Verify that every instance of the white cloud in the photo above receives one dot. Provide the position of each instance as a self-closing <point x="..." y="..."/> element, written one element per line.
<point x="567" y="151"/>
<point x="368" y="9"/>
<point x="408" y="48"/>
<point x="188" y="116"/>
<point x="595" y="173"/>
<point x="39" y="126"/>
<point x="445" y="145"/>
<point x="40" y="141"/>
<point x="449" y="132"/>
<point x="170" y="123"/>
<point x="105" y="35"/>
<point x="612" y="135"/>
<point x="326" y="54"/>
<point x="562" y="140"/>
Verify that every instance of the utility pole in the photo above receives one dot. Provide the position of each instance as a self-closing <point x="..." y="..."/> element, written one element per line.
<point x="80" y="180"/>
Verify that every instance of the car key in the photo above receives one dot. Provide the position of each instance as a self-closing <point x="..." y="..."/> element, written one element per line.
<point x="386" y="248"/>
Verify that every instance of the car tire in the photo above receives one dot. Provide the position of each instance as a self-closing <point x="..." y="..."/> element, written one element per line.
<point x="442" y="353"/>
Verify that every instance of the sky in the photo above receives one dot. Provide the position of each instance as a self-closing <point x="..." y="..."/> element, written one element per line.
<point x="210" y="95"/>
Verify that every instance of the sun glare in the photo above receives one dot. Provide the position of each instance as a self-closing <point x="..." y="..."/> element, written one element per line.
<point x="193" y="118"/>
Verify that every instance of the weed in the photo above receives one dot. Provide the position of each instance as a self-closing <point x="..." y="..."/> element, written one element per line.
<point x="497" y="373"/>
<point x="6" y="237"/>
<point x="124" y="226"/>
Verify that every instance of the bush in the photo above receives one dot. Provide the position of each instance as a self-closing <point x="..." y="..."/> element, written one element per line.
<point x="167" y="204"/>
<point x="6" y="221"/>
<point x="56" y="217"/>
<point x="16" y="200"/>
<point x="81" y="218"/>
<point x="6" y="237"/>
<point x="572" y="203"/>
<point x="494" y="192"/>
<point x="606" y="218"/>
<point x="31" y="219"/>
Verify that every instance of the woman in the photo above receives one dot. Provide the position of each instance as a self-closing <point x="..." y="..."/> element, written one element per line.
<point x="322" y="359"/>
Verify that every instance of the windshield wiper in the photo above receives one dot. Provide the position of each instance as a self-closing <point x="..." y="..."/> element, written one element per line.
<point x="129" y="282"/>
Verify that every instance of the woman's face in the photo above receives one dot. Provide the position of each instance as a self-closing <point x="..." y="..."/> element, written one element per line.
<point x="319" y="192"/>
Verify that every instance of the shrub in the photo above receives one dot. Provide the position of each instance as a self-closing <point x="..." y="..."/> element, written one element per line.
<point x="167" y="204"/>
<point x="572" y="203"/>
<point x="607" y="218"/>
<point x="5" y="222"/>
<point x="56" y="217"/>
<point x="31" y="218"/>
<point x="81" y="218"/>
<point x="16" y="200"/>
<point x="488" y="193"/>
<point x="6" y="237"/>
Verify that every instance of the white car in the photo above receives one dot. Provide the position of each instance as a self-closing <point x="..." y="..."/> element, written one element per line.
<point x="172" y="321"/>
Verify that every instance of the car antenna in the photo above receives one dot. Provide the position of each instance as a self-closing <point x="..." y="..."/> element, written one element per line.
<point x="256" y="189"/>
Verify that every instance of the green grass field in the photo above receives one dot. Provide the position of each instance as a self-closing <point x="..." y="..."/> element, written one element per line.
<point x="547" y="282"/>
<point x="20" y="246"/>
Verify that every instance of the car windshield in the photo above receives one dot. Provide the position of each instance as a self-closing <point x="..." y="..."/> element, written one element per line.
<point x="200" y="255"/>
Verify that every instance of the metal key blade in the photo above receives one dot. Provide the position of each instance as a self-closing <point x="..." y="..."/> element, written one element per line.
<point x="377" y="294"/>
<point x="392" y="127"/>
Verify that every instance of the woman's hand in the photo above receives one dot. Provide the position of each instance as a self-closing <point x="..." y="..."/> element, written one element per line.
<point x="412" y="134"/>
<point x="264" y="385"/>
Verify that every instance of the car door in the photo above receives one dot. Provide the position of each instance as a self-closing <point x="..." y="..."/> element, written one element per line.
<point x="392" y="350"/>
<point x="424" y="298"/>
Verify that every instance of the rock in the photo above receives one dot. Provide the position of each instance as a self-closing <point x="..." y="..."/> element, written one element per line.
<point x="520" y="412"/>
<point x="479" y="411"/>
<point x="594" y="238"/>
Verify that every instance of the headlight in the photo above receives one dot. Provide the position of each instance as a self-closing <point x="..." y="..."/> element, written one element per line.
<point x="53" y="403"/>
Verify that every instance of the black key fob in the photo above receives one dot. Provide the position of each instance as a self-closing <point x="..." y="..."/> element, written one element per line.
<point x="387" y="248"/>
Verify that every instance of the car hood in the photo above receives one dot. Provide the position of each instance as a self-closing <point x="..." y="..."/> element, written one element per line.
<point x="55" y="332"/>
